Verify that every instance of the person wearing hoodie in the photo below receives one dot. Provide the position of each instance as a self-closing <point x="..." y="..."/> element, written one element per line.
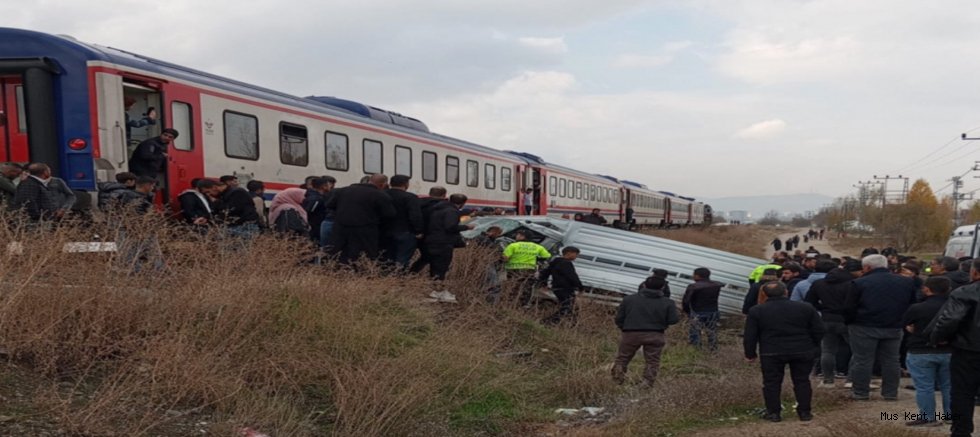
<point x="643" y="318"/>
<point x="783" y="332"/>
<point x="124" y="181"/>
<point x="827" y="296"/>
<point x="801" y="289"/>
<point x="441" y="235"/>
<point x="287" y="214"/>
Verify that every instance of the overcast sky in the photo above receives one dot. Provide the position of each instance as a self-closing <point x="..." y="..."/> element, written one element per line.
<point x="702" y="97"/>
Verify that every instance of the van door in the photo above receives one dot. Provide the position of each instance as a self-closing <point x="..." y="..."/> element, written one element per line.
<point x="13" y="121"/>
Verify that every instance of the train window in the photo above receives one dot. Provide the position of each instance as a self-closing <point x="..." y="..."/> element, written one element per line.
<point x="505" y="178"/>
<point x="21" y="109"/>
<point x="241" y="135"/>
<point x="552" y="186"/>
<point x="570" y="188"/>
<point x="562" y="189"/>
<point x="373" y="157"/>
<point x="472" y="173"/>
<point x="578" y="190"/>
<point x="430" y="170"/>
<point x="181" y="114"/>
<point x="452" y="170"/>
<point x="294" y="145"/>
<point x="337" y="151"/>
<point x="403" y="161"/>
<point x="490" y="176"/>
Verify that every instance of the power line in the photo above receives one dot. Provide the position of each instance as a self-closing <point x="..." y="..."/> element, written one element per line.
<point x="932" y="153"/>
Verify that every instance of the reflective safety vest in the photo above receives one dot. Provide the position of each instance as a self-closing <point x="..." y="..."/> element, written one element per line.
<point x="524" y="255"/>
<point x="758" y="271"/>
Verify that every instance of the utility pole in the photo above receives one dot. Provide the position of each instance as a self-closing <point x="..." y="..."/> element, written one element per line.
<point x="898" y="196"/>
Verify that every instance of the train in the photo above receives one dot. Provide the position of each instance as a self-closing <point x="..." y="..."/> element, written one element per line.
<point x="68" y="103"/>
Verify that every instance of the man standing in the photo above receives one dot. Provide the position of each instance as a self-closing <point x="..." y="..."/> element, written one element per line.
<point x="785" y="333"/>
<point x="359" y="211"/>
<point x="595" y="218"/>
<point x="928" y="364"/>
<point x="564" y="283"/>
<point x="441" y="237"/>
<point x="657" y="273"/>
<point x="643" y="318"/>
<point x="150" y="157"/>
<point x="828" y="296"/>
<point x="403" y="232"/>
<point x="799" y="292"/>
<point x="958" y="324"/>
<point x="9" y="172"/>
<point x="701" y="306"/>
<point x="521" y="263"/>
<point x="874" y="309"/>
<point x="33" y="195"/>
<point x="777" y="244"/>
<point x="528" y="201"/>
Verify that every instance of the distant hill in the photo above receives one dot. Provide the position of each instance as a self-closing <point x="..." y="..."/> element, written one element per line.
<point x="758" y="206"/>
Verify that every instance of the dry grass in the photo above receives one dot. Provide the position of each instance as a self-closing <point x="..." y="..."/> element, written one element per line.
<point x="743" y="240"/>
<point x="231" y="335"/>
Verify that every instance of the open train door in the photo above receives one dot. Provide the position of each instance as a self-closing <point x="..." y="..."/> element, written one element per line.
<point x="13" y="121"/>
<point x="185" y="161"/>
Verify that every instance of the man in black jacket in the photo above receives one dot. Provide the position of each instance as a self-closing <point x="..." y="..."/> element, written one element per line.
<point x="873" y="311"/>
<point x="700" y="303"/>
<point x="359" y="212"/>
<point x="657" y="273"/>
<point x="236" y="209"/>
<point x="958" y="324"/>
<point x="196" y="203"/>
<point x="786" y="333"/>
<point x="928" y="364"/>
<point x="402" y="232"/>
<point x="827" y="296"/>
<point x="949" y="267"/>
<point x="595" y="218"/>
<point x="436" y="196"/>
<point x="564" y="283"/>
<point x="315" y="204"/>
<point x="34" y="196"/>
<point x="124" y="181"/>
<point x="643" y="318"/>
<point x="441" y="236"/>
<point x="150" y="157"/>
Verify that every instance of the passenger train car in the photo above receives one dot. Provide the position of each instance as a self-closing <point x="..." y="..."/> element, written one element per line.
<point x="66" y="103"/>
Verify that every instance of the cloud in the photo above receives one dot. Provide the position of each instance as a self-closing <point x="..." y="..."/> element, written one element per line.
<point x="550" y="45"/>
<point x="632" y="60"/>
<point x="762" y="130"/>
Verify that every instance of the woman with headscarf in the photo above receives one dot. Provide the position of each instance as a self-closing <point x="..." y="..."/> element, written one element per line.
<point x="286" y="213"/>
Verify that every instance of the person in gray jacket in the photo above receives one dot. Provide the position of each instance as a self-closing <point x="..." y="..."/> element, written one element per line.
<point x="643" y="318"/>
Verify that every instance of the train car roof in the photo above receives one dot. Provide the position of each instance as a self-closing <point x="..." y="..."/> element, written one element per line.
<point x="20" y="42"/>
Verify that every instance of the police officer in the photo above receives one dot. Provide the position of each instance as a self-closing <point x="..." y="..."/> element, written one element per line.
<point x="521" y="263"/>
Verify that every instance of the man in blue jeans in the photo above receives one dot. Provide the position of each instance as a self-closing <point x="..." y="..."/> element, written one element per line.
<point x="928" y="364"/>
<point x="874" y="307"/>
<point x="701" y="306"/>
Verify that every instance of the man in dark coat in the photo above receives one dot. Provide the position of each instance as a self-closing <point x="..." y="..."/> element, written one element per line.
<point x="196" y="204"/>
<point x="657" y="273"/>
<point x="315" y="204"/>
<point x="949" y="267"/>
<point x="643" y="318"/>
<point x="441" y="237"/>
<point x="958" y="324"/>
<point x="426" y="205"/>
<point x="595" y="218"/>
<point x="827" y="296"/>
<point x="700" y="303"/>
<point x="150" y="157"/>
<point x="785" y="333"/>
<point x="359" y="210"/>
<point x="777" y="244"/>
<point x="33" y="195"/>
<point x="873" y="312"/>
<point x="564" y="283"/>
<point x="124" y="181"/>
<point x="9" y="172"/>
<point x="403" y="232"/>
<point x="236" y="209"/>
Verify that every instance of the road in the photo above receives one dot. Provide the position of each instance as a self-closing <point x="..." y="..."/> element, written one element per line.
<point x="822" y="245"/>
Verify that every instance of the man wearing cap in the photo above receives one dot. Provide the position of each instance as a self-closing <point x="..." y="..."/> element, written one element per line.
<point x="827" y="296"/>
<point x="150" y="157"/>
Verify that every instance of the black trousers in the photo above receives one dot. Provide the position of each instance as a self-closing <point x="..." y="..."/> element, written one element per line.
<point x="352" y="242"/>
<point x="964" y="369"/>
<point x="440" y="260"/>
<point x="773" y="370"/>
<point x="566" y="305"/>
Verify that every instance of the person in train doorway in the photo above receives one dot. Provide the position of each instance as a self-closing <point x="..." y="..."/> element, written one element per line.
<point x="403" y="232"/>
<point x="528" y="202"/>
<point x="148" y="119"/>
<point x="595" y="218"/>
<point x="359" y="210"/>
<point x="521" y="264"/>
<point x="700" y="303"/>
<point x="783" y="332"/>
<point x="236" y="209"/>
<point x="150" y="157"/>
<point x="441" y="239"/>
<point x="34" y="197"/>
<point x="564" y="283"/>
